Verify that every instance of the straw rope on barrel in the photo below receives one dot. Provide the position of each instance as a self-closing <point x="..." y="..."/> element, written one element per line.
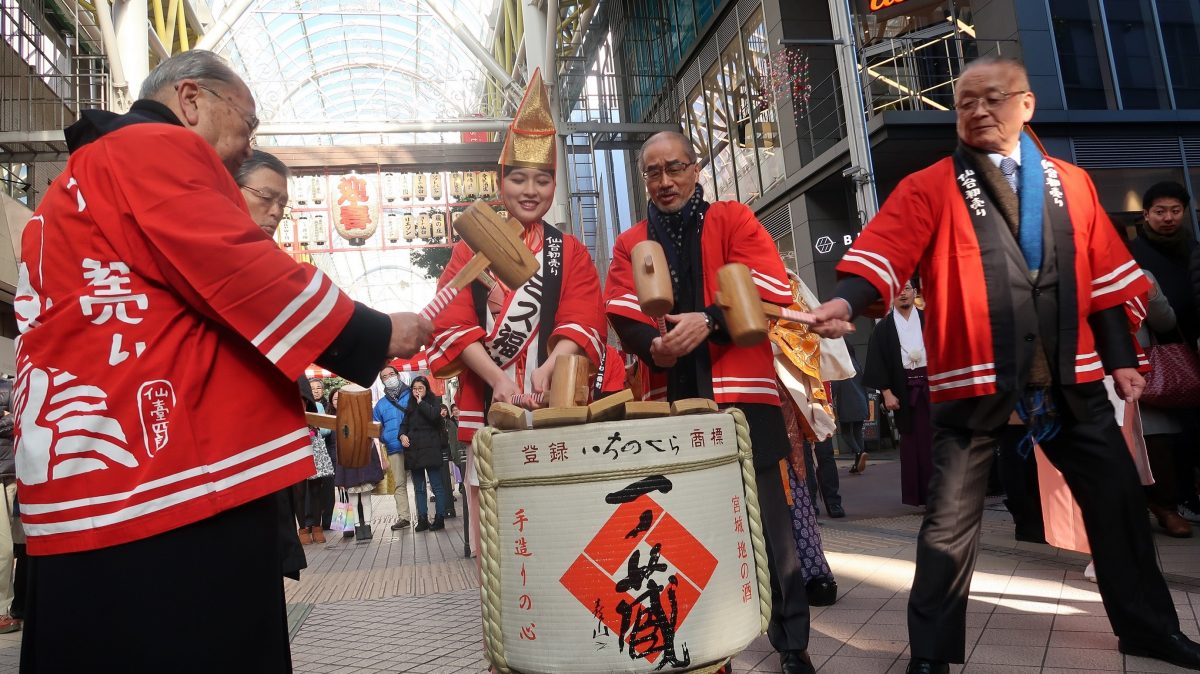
<point x="490" y="546"/>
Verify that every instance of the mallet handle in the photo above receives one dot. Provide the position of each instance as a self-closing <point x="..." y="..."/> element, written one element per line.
<point x="470" y="271"/>
<point x="777" y="312"/>
<point x="523" y="399"/>
<point x="662" y="326"/>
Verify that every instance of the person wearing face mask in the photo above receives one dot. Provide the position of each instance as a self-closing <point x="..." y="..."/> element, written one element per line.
<point x="504" y="341"/>
<point x="423" y="435"/>
<point x="389" y="412"/>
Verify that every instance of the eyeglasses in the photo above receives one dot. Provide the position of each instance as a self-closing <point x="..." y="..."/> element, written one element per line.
<point x="990" y="102"/>
<point x="250" y="120"/>
<point x="280" y="199"/>
<point x="673" y="169"/>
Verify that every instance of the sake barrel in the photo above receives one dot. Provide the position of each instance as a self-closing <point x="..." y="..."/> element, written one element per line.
<point x="625" y="546"/>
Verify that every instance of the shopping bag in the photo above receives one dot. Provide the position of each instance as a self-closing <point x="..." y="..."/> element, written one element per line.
<point x="344" y="515"/>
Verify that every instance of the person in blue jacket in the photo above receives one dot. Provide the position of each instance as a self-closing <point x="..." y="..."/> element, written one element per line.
<point x="389" y="412"/>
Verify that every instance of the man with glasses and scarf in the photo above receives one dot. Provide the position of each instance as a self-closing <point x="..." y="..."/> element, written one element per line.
<point x="1026" y="281"/>
<point x="696" y="358"/>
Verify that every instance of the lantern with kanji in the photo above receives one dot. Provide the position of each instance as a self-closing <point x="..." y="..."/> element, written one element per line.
<point x="487" y="184"/>
<point x="303" y="230"/>
<point x="320" y="231"/>
<point x="285" y="234"/>
<point x="391" y="226"/>
<point x="439" y="225"/>
<point x="298" y="188"/>
<point x="356" y="207"/>
<point x="405" y="186"/>
<point x="423" y="226"/>
<point x="389" y="187"/>
<point x="470" y="184"/>
<point x="456" y="186"/>
<point x="435" y="186"/>
<point x="317" y="186"/>
<point x="410" y="227"/>
<point x="419" y="186"/>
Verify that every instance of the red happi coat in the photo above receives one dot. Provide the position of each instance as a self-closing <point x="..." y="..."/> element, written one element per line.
<point x="925" y="226"/>
<point x="161" y="337"/>
<point x="731" y="234"/>
<point x="579" y="318"/>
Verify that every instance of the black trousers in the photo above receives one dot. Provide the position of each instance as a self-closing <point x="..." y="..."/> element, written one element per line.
<point x="206" y="597"/>
<point x="1091" y="454"/>
<point x="1020" y="479"/>
<point x="852" y="436"/>
<point x="823" y="476"/>
<point x="313" y="502"/>
<point x="789" y="626"/>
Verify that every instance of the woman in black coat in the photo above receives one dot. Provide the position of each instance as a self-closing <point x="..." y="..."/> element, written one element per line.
<point x="423" y="435"/>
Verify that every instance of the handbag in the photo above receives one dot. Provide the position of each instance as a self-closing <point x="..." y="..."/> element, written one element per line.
<point x="1174" y="378"/>
<point x="320" y="456"/>
<point x="344" y="515"/>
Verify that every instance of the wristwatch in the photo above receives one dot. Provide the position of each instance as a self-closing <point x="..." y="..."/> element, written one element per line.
<point x="709" y="322"/>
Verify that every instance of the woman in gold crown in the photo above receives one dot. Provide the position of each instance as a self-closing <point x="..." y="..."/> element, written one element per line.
<point x="504" y="341"/>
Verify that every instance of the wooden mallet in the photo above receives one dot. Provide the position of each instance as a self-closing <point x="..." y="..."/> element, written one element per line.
<point x="568" y="385"/>
<point x="745" y="313"/>
<point x="652" y="282"/>
<point x="354" y="426"/>
<point x="497" y="246"/>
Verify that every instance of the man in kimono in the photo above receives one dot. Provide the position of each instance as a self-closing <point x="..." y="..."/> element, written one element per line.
<point x="696" y="358"/>
<point x="1025" y="278"/>
<point x="896" y="366"/>
<point x="162" y="333"/>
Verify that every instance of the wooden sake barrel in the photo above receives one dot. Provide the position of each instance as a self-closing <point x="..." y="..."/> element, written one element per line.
<point x="605" y="537"/>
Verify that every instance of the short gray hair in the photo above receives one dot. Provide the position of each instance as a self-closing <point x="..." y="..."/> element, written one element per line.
<point x="1013" y="64"/>
<point x="197" y="64"/>
<point x="667" y="135"/>
<point x="259" y="159"/>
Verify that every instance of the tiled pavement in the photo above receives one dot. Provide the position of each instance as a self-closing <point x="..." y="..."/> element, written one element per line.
<point x="408" y="602"/>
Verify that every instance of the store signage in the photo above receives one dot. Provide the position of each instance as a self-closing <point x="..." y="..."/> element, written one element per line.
<point x="877" y="5"/>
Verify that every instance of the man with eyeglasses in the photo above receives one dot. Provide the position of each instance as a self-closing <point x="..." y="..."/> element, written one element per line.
<point x="157" y="418"/>
<point x="263" y="181"/>
<point x="1026" y="281"/>
<point x="696" y="358"/>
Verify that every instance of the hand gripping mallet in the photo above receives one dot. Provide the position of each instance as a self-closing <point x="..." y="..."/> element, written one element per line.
<point x="568" y="385"/>
<point x="652" y="282"/>
<point x="745" y="313"/>
<point x="497" y="246"/>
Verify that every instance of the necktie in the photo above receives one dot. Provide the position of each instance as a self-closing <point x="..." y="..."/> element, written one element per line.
<point x="1008" y="166"/>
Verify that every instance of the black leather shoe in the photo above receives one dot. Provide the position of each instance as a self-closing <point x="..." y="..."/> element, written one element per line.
<point x="796" y="662"/>
<point x="923" y="666"/>
<point x="1175" y="649"/>
<point x="821" y="592"/>
<point x="836" y="511"/>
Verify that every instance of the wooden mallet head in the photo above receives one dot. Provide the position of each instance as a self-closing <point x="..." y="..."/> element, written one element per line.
<point x="354" y="426"/>
<point x="490" y="236"/>
<point x="569" y="382"/>
<point x="652" y="279"/>
<point x="745" y="316"/>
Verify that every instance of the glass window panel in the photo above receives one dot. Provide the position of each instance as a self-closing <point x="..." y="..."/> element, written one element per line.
<point x="738" y="102"/>
<point x="718" y="128"/>
<point x="698" y="124"/>
<point x="1180" y="22"/>
<point x="1134" y="38"/>
<point x="766" y="128"/>
<point x="704" y="12"/>
<point x="1079" y="36"/>
<point x="1120" y="192"/>
<point x="685" y="26"/>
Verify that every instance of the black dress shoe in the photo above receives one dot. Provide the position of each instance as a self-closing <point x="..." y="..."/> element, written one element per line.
<point x="923" y="666"/>
<point x="836" y="511"/>
<point x="796" y="662"/>
<point x="1176" y="649"/>
<point x="821" y="592"/>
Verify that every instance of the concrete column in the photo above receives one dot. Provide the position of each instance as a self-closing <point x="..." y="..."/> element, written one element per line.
<point x="133" y="43"/>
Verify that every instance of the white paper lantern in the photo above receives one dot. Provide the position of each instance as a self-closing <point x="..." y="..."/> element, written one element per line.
<point x="391" y="226"/>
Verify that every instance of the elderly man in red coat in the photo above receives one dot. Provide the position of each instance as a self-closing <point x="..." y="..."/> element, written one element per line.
<point x="1025" y="278"/>
<point x="696" y="358"/>
<point x="162" y="332"/>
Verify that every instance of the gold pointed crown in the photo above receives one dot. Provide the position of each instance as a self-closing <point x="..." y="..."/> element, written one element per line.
<point x="530" y="142"/>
